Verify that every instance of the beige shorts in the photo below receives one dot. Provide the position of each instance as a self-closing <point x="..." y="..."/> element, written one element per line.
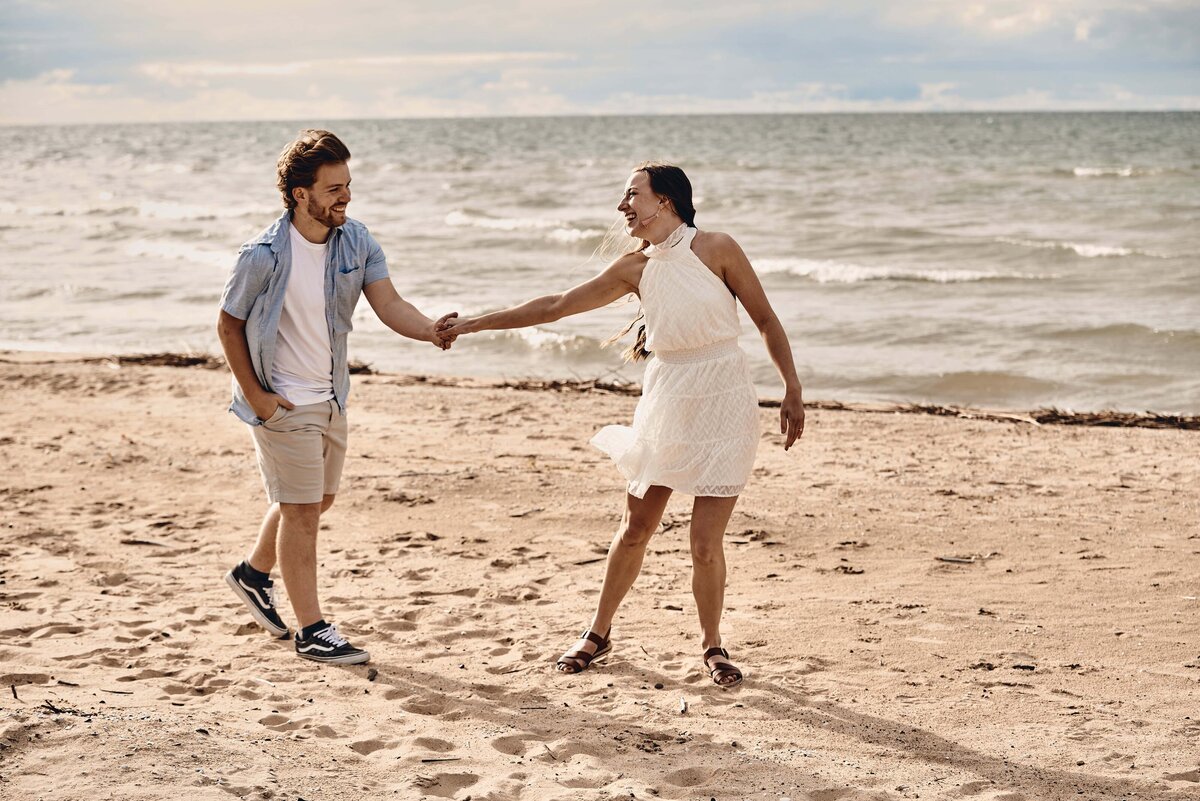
<point x="301" y="452"/>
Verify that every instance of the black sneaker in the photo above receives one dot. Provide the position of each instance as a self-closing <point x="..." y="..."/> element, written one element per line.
<point x="259" y="597"/>
<point x="327" y="645"/>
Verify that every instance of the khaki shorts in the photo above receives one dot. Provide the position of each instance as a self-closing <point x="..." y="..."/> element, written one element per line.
<point x="301" y="452"/>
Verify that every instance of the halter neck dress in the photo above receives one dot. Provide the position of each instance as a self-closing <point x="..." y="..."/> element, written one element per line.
<point x="696" y="426"/>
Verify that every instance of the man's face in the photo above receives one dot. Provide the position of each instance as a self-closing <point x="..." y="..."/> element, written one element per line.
<point x="325" y="201"/>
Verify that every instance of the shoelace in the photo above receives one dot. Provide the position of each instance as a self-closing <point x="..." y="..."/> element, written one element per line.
<point x="331" y="636"/>
<point x="271" y="599"/>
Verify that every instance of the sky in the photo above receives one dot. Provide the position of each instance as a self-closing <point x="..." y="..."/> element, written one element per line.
<point x="78" y="61"/>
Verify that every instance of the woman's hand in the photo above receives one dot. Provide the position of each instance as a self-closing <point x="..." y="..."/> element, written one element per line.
<point x="791" y="417"/>
<point x="440" y="334"/>
<point x="455" y="325"/>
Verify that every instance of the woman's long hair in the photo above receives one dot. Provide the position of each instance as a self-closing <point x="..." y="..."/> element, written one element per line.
<point x="671" y="183"/>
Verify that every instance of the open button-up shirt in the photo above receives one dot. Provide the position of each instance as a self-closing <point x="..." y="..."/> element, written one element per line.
<point x="255" y="290"/>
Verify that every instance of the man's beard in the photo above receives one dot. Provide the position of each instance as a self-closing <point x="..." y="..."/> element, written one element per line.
<point x="326" y="217"/>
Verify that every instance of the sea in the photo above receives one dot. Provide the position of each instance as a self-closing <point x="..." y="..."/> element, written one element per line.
<point x="1005" y="261"/>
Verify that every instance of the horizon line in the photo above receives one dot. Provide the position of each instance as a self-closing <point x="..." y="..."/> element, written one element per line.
<point x="604" y="115"/>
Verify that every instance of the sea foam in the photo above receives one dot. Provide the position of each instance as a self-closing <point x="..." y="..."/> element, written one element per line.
<point x="459" y="218"/>
<point x="178" y="251"/>
<point x="1087" y="251"/>
<point x="832" y="272"/>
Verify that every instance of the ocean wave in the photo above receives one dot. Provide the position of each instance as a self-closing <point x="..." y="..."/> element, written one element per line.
<point x="572" y="235"/>
<point x="459" y="218"/>
<point x="553" y="229"/>
<point x="832" y="272"/>
<point x="64" y="210"/>
<point x="1126" y="171"/>
<point x="1129" y="335"/>
<point x="178" y="251"/>
<point x="539" y="340"/>
<point x="175" y="167"/>
<point x="166" y="210"/>
<point x="1085" y="250"/>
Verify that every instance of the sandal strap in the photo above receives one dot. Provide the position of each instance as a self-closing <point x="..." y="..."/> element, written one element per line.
<point x="719" y="668"/>
<point x="593" y="637"/>
<point x="577" y="656"/>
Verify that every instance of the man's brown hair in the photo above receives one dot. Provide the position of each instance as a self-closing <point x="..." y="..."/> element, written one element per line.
<point x="299" y="161"/>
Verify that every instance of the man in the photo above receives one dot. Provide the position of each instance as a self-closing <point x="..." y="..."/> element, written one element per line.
<point x="284" y="317"/>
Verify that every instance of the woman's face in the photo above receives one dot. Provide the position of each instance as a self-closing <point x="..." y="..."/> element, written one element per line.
<point x="639" y="204"/>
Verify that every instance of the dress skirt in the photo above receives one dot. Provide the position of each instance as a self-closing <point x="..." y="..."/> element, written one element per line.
<point x="696" y="426"/>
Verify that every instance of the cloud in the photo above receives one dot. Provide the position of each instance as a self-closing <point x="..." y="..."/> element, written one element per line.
<point x="77" y="61"/>
<point x="204" y="73"/>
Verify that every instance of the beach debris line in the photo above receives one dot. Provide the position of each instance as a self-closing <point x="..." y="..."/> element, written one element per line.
<point x="202" y="360"/>
<point x="1044" y="416"/>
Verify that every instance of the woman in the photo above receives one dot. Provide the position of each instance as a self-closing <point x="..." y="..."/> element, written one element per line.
<point x="696" y="426"/>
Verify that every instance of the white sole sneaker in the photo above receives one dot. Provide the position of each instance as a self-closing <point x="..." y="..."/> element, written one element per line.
<point x="243" y="592"/>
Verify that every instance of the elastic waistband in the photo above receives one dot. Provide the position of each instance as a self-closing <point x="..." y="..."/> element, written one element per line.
<point x="714" y="350"/>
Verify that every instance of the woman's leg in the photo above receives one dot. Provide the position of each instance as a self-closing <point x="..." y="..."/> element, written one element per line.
<point x="710" y="516"/>
<point x="625" y="554"/>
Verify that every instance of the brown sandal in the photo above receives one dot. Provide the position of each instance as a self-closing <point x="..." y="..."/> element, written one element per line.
<point x="721" y="669"/>
<point x="578" y="661"/>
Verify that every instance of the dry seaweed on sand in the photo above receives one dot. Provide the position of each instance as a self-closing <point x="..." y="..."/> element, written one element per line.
<point x="1050" y="416"/>
<point x="203" y="360"/>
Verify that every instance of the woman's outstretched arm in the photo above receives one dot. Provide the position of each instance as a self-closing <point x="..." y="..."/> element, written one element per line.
<point x="619" y="279"/>
<point x="741" y="278"/>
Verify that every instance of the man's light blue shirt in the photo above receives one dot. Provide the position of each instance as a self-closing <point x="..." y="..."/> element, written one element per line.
<point x="255" y="291"/>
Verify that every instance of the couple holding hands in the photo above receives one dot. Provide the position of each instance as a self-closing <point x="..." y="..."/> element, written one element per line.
<point x="287" y="309"/>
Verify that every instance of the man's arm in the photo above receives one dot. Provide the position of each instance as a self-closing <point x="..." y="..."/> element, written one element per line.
<point x="232" y="333"/>
<point x="402" y="317"/>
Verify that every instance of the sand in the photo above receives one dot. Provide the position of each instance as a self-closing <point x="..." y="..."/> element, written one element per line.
<point x="924" y="606"/>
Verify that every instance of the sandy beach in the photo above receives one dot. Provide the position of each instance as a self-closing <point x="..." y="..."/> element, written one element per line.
<point x="925" y="606"/>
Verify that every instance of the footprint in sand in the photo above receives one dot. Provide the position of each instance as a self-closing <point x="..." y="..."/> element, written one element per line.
<point x="147" y="673"/>
<point x="395" y="625"/>
<point x="427" y="705"/>
<point x="445" y="785"/>
<point x="20" y="679"/>
<point x="282" y="723"/>
<point x="564" y="750"/>
<point x="370" y="746"/>
<point x="690" y="777"/>
<point x="433" y="744"/>
<point x="514" y="744"/>
<point x="1186" y="776"/>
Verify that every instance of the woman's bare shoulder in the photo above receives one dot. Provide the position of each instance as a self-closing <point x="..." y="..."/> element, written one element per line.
<point x="717" y="249"/>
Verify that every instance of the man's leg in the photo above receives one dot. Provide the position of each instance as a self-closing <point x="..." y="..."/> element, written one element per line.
<point x="297" y="549"/>
<point x="297" y="544"/>
<point x="263" y="557"/>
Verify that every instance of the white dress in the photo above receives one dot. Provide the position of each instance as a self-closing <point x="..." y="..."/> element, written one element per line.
<point x="696" y="425"/>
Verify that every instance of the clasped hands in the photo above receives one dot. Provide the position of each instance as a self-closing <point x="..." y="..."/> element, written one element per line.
<point x="441" y="333"/>
<point x="449" y="326"/>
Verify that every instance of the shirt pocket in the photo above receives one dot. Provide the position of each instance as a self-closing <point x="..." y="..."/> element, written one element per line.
<point x="348" y="284"/>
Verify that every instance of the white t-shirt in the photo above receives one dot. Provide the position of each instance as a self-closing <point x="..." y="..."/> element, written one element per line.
<point x="303" y="368"/>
